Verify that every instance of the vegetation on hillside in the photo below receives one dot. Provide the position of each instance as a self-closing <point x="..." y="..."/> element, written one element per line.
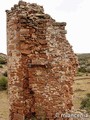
<point x="3" y="83"/>
<point x="84" y="63"/>
<point x="85" y="103"/>
<point x="3" y="59"/>
<point x="3" y="72"/>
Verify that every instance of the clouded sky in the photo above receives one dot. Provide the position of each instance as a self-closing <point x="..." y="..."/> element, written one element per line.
<point x="75" y="12"/>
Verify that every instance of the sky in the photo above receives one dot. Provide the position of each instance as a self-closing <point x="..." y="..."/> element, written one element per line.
<point x="76" y="13"/>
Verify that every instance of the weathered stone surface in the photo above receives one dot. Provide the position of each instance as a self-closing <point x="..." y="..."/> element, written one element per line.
<point x="41" y="64"/>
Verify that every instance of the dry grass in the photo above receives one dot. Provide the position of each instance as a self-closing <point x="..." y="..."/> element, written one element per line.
<point x="4" y="105"/>
<point x="81" y="88"/>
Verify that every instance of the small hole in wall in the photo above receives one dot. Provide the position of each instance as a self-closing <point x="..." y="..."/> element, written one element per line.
<point x="33" y="114"/>
<point x="31" y="91"/>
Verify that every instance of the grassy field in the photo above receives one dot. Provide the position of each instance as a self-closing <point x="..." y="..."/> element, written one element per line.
<point x="81" y="88"/>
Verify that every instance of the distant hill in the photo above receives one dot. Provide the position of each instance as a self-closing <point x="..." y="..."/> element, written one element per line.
<point x="3" y="58"/>
<point x="3" y="64"/>
<point x="84" y="56"/>
<point x="84" y="62"/>
<point x="3" y="55"/>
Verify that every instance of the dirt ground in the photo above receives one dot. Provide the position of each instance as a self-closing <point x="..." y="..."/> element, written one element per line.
<point x="4" y="112"/>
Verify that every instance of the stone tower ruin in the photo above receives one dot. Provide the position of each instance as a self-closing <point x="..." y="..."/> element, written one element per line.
<point x="41" y="64"/>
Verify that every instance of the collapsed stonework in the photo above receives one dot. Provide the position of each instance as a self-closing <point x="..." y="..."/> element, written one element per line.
<point x="41" y="64"/>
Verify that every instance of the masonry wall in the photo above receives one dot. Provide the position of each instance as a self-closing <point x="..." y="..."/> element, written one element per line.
<point x="41" y="64"/>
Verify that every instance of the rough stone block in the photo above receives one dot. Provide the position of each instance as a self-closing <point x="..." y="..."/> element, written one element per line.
<point x="41" y="64"/>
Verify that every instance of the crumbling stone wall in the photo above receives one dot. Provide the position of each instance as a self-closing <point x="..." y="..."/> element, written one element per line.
<point x="41" y="64"/>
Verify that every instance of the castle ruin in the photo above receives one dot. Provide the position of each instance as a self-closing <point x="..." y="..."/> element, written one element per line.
<point x="41" y="64"/>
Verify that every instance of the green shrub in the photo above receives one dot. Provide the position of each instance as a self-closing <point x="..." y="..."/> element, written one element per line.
<point x="88" y="69"/>
<point x="3" y="83"/>
<point x="79" y="73"/>
<point x="82" y="69"/>
<point x="85" y="103"/>
<point x="5" y="74"/>
<point x="2" y="60"/>
<point x="1" y="66"/>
